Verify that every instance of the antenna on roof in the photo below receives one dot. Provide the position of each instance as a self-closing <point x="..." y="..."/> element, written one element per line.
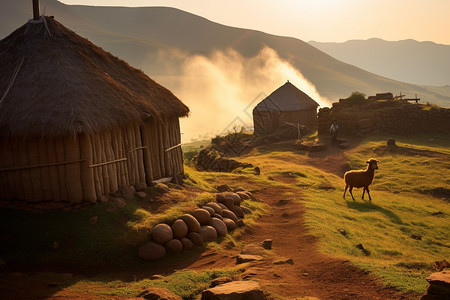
<point x="36" y="10"/>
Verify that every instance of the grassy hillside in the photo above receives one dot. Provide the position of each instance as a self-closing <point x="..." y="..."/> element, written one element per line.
<point x="138" y="35"/>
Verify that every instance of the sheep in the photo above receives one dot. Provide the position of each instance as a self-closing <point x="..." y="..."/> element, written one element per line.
<point x="361" y="178"/>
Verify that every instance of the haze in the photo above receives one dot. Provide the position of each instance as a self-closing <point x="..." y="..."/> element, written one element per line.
<point x="318" y="20"/>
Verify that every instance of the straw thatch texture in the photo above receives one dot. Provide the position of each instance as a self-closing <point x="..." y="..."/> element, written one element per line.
<point x="77" y="123"/>
<point x="285" y="104"/>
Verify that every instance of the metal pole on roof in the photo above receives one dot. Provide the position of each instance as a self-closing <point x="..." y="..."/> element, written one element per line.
<point x="36" y="10"/>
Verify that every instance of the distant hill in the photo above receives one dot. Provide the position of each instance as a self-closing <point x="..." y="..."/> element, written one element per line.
<point x="139" y="35"/>
<point x="423" y="63"/>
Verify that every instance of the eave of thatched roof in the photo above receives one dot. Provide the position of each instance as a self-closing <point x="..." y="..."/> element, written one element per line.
<point x="287" y="98"/>
<point x="55" y="83"/>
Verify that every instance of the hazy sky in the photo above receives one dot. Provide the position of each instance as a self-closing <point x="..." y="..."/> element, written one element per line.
<point x="319" y="20"/>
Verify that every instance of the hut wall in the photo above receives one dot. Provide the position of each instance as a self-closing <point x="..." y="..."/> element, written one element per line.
<point x="266" y="122"/>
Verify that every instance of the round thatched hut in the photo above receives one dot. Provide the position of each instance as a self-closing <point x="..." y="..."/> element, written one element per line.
<point x="76" y="122"/>
<point x="287" y="104"/>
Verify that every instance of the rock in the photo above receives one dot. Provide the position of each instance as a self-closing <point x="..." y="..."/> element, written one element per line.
<point x="187" y="244"/>
<point x="174" y="246"/>
<point x="161" y="233"/>
<point x="251" y="196"/>
<point x="267" y="244"/>
<point x="416" y="237"/>
<point x="439" y="285"/>
<point x="223" y="188"/>
<point x="140" y="186"/>
<point x="246" y="210"/>
<point x="365" y="123"/>
<point x="151" y="251"/>
<point x="219" y="226"/>
<point x="202" y="216"/>
<point x="208" y="233"/>
<point x="93" y="220"/>
<point x="120" y="202"/>
<point x="103" y="199"/>
<point x="161" y="188"/>
<point x="141" y="194"/>
<point x="229" y="214"/>
<point x="364" y="250"/>
<point x="158" y="293"/>
<point x="222" y="206"/>
<point x="235" y="290"/>
<point x="220" y="280"/>
<point x="342" y="231"/>
<point x="215" y="206"/>
<point x="218" y="216"/>
<point x="235" y="197"/>
<point x="179" y="229"/>
<point x="191" y="222"/>
<point x="231" y="225"/>
<point x="240" y="223"/>
<point x="253" y="249"/>
<point x="283" y="261"/>
<point x="228" y="202"/>
<point x="196" y="238"/>
<point x="128" y="192"/>
<point x="239" y="189"/>
<point x="238" y="212"/>
<point x="257" y="171"/>
<point x="243" y="258"/>
<point x="391" y="142"/>
<point x="243" y="195"/>
<point x="211" y="210"/>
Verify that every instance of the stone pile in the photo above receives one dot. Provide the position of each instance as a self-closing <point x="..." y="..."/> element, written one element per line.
<point x="204" y="224"/>
<point x="210" y="159"/>
<point x="439" y="286"/>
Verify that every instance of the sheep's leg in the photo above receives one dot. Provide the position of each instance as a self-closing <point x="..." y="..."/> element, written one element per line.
<point x="345" y="191"/>
<point x="370" y="198"/>
<point x="364" y="190"/>
<point x="350" y="190"/>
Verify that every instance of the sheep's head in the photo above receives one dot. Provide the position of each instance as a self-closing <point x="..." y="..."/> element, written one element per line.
<point x="373" y="163"/>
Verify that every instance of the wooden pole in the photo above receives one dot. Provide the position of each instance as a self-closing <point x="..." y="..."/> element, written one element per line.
<point x="36" y="10"/>
<point x="87" y="174"/>
<point x="73" y="171"/>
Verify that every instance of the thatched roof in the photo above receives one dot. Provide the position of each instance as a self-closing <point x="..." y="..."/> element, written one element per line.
<point x="287" y="98"/>
<point x="55" y="83"/>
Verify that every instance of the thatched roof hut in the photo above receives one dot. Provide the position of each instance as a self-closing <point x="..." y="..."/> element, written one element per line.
<point x="76" y="122"/>
<point x="287" y="104"/>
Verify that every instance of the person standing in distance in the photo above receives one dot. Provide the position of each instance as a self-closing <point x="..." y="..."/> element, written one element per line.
<point x="334" y="131"/>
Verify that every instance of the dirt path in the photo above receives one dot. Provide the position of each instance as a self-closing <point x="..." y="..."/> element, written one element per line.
<point x="312" y="274"/>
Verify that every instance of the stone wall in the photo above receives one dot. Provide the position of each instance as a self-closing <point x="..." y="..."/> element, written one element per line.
<point x="397" y="117"/>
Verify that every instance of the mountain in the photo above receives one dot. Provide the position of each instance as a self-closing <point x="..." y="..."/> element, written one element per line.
<point x="409" y="61"/>
<point x="140" y="35"/>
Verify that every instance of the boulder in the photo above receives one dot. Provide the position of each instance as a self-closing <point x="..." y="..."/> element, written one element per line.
<point x="239" y="189"/>
<point x="231" y="225"/>
<point x="191" y="222"/>
<point x="235" y="290"/>
<point x="202" y="216"/>
<point x="391" y="142"/>
<point x="235" y="197"/>
<point x="141" y="195"/>
<point x="253" y="249"/>
<point x="174" y="246"/>
<point x="161" y="233"/>
<point x="208" y="233"/>
<point x="120" y="202"/>
<point x="219" y="226"/>
<point x="218" y="216"/>
<point x="179" y="229"/>
<point x="211" y="210"/>
<point x="158" y="293"/>
<point x="187" y="244"/>
<point x="246" y="210"/>
<point x="196" y="238"/>
<point x="161" y="188"/>
<point x="229" y="214"/>
<point x="267" y="244"/>
<point x="128" y="192"/>
<point x="222" y="206"/>
<point x="228" y="202"/>
<point x="151" y="251"/>
<point x="243" y="258"/>
<point x="223" y="188"/>
<point x="439" y="285"/>
<point x="243" y="195"/>
<point x="238" y="212"/>
<point x="219" y="281"/>
<point x="215" y="206"/>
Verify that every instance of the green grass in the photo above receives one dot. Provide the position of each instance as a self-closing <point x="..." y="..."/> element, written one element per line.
<point x="400" y="208"/>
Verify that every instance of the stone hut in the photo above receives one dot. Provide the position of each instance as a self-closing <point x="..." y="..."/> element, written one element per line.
<point x="76" y="122"/>
<point x="287" y="104"/>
